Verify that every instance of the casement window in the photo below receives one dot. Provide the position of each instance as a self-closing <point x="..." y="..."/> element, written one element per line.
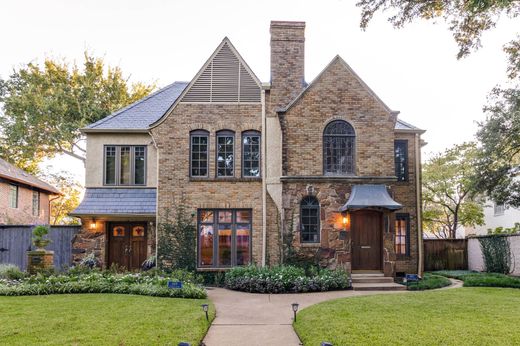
<point x="401" y="159"/>
<point x="36" y="203"/>
<point x="13" y="196"/>
<point x="225" y="154"/>
<point x="224" y="237"/>
<point x="125" y="165"/>
<point x="310" y="220"/>
<point x="338" y="148"/>
<point x="251" y="154"/>
<point x="499" y="209"/>
<point x="402" y="234"/>
<point x="199" y="146"/>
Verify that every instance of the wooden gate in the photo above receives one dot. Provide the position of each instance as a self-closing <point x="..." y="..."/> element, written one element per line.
<point x="445" y="254"/>
<point x="16" y="240"/>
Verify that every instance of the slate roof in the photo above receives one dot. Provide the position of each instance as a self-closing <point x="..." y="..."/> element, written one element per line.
<point x="117" y="201"/>
<point x="370" y="196"/>
<point x="139" y="115"/>
<point x="15" y="174"/>
<point x="403" y="125"/>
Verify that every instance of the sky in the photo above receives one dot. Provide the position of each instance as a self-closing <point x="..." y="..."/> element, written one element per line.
<point x="413" y="70"/>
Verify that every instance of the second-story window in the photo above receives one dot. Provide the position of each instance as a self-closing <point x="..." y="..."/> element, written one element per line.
<point x="225" y="154"/>
<point x="36" y="203"/>
<point x="251" y="154"/>
<point x="125" y="165"/>
<point x="199" y="144"/>
<point x="338" y="148"/>
<point x="13" y="196"/>
<point x="401" y="159"/>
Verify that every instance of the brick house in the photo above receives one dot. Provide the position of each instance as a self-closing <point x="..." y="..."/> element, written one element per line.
<point x="24" y="199"/>
<point x="326" y="168"/>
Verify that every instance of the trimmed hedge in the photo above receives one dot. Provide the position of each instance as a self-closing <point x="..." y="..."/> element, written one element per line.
<point x="430" y="282"/>
<point x="285" y="279"/>
<point x="477" y="279"/>
<point x="149" y="284"/>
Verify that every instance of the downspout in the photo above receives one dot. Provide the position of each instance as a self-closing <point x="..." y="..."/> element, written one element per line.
<point x="418" y="191"/>
<point x="156" y="197"/>
<point x="264" y="182"/>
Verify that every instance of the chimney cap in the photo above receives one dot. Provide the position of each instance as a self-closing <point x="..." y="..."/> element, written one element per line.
<point x="287" y="24"/>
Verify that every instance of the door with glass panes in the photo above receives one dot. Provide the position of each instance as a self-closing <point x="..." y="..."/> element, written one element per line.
<point x="127" y="244"/>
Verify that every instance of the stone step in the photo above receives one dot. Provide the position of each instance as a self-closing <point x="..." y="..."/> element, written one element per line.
<point x="357" y="275"/>
<point x="372" y="279"/>
<point x="378" y="287"/>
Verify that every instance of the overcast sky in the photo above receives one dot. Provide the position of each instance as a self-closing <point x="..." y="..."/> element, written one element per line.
<point x="413" y="70"/>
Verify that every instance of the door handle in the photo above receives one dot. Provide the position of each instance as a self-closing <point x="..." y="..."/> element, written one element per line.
<point x="2" y="249"/>
<point x="365" y="246"/>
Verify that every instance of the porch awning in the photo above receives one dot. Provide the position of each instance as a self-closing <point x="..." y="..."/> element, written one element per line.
<point x="117" y="202"/>
<point x="370" y="196"/>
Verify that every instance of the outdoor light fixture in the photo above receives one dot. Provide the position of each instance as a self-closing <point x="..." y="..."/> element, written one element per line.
<point x="205" y="308"/>
<point x="295" y="309"/>
<point x="346" y="220"/>
<point x="93" y="224"/>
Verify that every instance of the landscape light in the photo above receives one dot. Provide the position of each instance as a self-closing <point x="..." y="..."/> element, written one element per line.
<point x="205" y="308"/>
<point x="295" y="309"/>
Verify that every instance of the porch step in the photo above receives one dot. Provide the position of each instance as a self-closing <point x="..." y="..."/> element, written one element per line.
<point x="386" y="286"/>
<point x="372" y="279"/>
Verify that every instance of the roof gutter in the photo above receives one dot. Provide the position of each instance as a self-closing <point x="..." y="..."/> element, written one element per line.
<point x="89" y="130"/>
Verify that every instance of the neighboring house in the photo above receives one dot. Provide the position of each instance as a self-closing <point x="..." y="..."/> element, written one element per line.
<point x="495" y="215"/>
<point x="327" y="162"/>
<point x="24" y="199"/>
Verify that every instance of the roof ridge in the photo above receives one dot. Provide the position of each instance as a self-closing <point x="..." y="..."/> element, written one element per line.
<point x="132" y="105"/>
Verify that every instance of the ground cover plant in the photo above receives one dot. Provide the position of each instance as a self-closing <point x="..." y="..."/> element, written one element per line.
<point x="84" y="280"/>
<point x="464" y="316"/>
<point x="102" y="319"/>
<point x="285" y="279"/>
<point x="478" y="279"/>
<point x="429" y="282"/>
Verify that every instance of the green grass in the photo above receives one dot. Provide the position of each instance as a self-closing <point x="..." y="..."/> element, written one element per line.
<point x="430" y="282"/>
<point x="101" y="319"/>
<point x="464" y="316"/>
<point x="476" y="279"/>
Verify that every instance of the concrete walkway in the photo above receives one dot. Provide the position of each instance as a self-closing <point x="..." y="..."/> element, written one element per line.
<point x="250" y="319"/>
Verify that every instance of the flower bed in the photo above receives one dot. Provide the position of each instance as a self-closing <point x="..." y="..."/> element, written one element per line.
<point x="147" y="283"/>
<point x="285" y="279"/>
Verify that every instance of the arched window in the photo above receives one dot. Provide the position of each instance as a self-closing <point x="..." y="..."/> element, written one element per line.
<point x="250" y="154"/>
<point x="310" y="220"/>
<point x="225" y="153"/>
<point x="199" y="145"/>
<point x="338" y="148"/>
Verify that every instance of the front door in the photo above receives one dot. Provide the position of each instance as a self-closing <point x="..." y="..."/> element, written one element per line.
<point x="367" y="238"/>
<point x="127" y="244"/>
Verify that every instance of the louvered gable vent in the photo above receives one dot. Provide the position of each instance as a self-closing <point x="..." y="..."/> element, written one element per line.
<point x="225" y="79"/>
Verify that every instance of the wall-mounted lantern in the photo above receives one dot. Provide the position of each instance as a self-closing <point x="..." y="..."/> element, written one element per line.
<point x="346" y="221"/>
<point x="93" y="224"/>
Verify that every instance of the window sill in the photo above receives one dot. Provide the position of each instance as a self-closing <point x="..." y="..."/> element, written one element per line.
<point x="310" y="245"/>
<point x="228" y="180"/>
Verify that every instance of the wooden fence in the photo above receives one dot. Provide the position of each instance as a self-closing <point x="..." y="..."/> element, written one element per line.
<point x="16" y="240"/>
<point x="445" y="254"/>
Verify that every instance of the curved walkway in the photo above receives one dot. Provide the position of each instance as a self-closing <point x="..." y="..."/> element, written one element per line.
<point x="250" y="319"/>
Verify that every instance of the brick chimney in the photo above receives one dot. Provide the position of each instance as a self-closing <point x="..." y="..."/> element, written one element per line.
<point x="287" y="61"/>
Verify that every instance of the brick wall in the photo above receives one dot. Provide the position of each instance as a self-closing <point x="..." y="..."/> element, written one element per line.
<point x="23" y="215"/>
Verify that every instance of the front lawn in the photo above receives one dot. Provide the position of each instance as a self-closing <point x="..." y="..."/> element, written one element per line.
<point x="464" y="316"/>
<point x="101" y="319"/>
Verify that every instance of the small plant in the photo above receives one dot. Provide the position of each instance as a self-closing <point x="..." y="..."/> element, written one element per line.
<point x="90" y="261"/>
<point x="39" y="232"/>
<point x="149" y="263"/>
<point x="505" y="230"/>
<point x="11" y="272"/>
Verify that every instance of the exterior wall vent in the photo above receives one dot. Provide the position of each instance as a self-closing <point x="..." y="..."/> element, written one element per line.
<point x="224" y="79"/>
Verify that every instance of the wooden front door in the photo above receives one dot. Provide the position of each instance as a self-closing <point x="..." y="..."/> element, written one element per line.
<point x="127" y="244"/>
<point x="367" y="235"/>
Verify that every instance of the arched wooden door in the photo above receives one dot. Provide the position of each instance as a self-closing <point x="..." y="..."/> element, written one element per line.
<point x="367" y="240"/>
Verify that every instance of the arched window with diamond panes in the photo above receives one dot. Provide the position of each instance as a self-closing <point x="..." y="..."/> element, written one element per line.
<point x="310" y="220"/>
<point x="339" y="148"/>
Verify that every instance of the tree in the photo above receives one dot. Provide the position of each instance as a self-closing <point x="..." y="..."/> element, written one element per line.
<point x="68" y="201"/>
<point x="499" y="159"/>
<point x="45" y="106"/>
<point x="467" y="20"/>
<point x="449" y="200"/>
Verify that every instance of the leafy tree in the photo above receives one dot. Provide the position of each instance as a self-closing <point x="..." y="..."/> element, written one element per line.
<point x="449" y="200"/>
<point x="64" y="204"/>
<point x="45" y="106"/>
<point x="467" y="20"/>
<point x="499" y="159"/>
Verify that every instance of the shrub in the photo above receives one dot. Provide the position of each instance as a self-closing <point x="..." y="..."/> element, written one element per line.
<point x="95" y="281"/>
<point x="39" y="232"/>
<point x="476" y="279"/>
<point x="89" y="261"/>
<point x="284" y="279"/>
<point x="429" y="282"/>
<point x="497" y="254"/>
<point x="11" y="272"/>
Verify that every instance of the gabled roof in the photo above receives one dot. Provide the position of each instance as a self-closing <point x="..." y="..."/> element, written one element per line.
<point x="403" y="126"/>
<point x="225" y="44"/>
<point x="139" y="115"/>
<point x="117" y="201"/>
<point x="17" y="175"/>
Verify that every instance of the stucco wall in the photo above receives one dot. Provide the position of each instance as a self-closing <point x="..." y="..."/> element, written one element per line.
<point x="506" y="220"/>
<point x="476" y="262"/>
<point x="95" y="145"/>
